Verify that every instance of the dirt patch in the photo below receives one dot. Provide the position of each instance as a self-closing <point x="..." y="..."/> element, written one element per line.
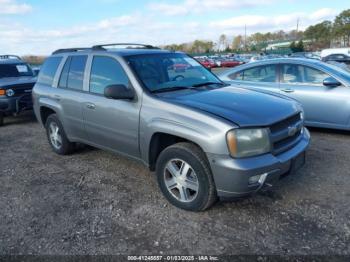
<point x="94" y="202"/>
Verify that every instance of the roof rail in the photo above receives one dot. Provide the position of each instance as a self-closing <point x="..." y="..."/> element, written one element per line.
<point x="128" y="46"/>
<point x="3" y="57"/>
<point x="66" y="50"/>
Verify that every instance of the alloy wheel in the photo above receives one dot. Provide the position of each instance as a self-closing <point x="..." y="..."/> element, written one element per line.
<point x="55" y="135"/>
<point x="181" y="180"/>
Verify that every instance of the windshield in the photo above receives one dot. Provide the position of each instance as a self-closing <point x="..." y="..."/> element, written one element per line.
<point x="169" y="72"/>
<point x="15" y="70"/>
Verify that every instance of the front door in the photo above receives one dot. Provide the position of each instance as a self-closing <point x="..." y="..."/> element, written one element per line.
<point x="111" y="124"/>
<point x="322" y="105"/>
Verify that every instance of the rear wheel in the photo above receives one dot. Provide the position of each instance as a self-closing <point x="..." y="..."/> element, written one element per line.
<point x="184" y="177"/>
<point x="57" y="137"/>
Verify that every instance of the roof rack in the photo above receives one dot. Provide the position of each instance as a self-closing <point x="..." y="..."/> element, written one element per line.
<point x="102" y="47"/>
<point x="66" y="50"/>
<point x="4" y="57"/>
<point x="127" y="45"/>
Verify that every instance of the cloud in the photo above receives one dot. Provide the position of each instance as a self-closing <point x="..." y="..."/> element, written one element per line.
<point x="10" y="7"/>
<point x="145" y="28"/>
<point x="200" y="6"/>
<point x="286" y="22"/>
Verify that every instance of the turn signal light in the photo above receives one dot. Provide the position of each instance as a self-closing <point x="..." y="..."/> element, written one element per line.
<point x="2" y="92"/>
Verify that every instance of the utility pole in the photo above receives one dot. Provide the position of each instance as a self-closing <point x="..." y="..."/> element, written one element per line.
<point x="297" y="28"/>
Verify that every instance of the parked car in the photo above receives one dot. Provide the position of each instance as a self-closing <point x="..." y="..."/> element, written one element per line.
<point x="322" y="89"/>
<point x="309" y="55"/>
<point x="230" y="63"/>
<point x="16" y="82"/>
<point x="204" y="138"/>
<point x="208" y="63"/>
<point x="332" y="51"/>
<point x="340" y="58"/>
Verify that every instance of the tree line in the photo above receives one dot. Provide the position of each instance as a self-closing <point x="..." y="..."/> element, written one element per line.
<point x="319" y="36"/>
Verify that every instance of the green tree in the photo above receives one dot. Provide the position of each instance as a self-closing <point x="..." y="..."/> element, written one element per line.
<point x="342" y="27"/>
<point x="320" y="34"/>
<point x="300" y="46"/>
<point x="293" y="47"/>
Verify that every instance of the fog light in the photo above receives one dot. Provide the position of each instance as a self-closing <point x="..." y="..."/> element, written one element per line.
<point x="257" y="179"/>
<point x="254" y="179"/>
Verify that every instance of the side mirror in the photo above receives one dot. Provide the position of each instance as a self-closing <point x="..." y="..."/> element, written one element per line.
<point x="331" y="82"/>
<point x="119" y="92"/>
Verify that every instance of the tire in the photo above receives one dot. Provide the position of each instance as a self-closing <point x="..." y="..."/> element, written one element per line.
<point x="185" y="178"/>
<point x="62" y="146"/>
<point x="2" y="118"/>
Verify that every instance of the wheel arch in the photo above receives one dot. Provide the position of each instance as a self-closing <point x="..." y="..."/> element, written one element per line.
<point x="160" y="141"/>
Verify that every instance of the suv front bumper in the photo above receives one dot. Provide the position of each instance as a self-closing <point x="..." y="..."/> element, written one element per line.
<point x="16" y="104"/>
<point x="232" y="176"/>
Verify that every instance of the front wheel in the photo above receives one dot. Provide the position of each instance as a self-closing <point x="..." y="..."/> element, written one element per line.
<point x="185" y="178"/>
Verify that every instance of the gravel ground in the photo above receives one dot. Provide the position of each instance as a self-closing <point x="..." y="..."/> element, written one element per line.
<point x="94" y="202"/>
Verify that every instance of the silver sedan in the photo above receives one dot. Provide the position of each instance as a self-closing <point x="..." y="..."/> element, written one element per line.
<point x="323" y="89"/>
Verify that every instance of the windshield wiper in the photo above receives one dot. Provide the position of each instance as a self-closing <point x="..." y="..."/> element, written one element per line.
<point x="169" y="89"/>
<point x="208" y="83"/>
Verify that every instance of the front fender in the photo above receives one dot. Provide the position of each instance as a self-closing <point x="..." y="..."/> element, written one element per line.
<point x="211" y="139"/>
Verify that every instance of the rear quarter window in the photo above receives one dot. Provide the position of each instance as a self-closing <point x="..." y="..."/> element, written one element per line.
<point x="48" y="71"/>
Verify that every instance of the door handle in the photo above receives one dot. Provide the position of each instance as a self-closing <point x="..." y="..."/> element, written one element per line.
<point x="287" y="90"/>
<point x="90" y="106"/>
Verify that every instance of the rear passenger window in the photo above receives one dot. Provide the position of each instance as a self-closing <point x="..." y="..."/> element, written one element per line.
<point x="256" y="74"/>
<point x="260" y="74"/>
<point x="106" y="71"/>
<point x="48" y="71"/>
<point x="72" y="75"/>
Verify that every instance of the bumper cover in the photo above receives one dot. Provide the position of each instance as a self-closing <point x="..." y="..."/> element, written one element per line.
<point x="16" y="104"/>
<point x="232" y="176"/>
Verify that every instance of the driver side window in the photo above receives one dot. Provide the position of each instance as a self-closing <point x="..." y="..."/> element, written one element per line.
<point x="300" y="74"/>
<point x="106" y="71"/>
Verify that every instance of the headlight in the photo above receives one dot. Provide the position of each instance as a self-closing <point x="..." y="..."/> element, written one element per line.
<point x="248" y="142"/>
<point x="10" y="92"/>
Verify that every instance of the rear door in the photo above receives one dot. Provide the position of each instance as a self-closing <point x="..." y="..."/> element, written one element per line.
<point x="263" y="77"/>
<point x="111" y="124"/>
<point x="71" y="95"/>
<point x="322" y="105"/>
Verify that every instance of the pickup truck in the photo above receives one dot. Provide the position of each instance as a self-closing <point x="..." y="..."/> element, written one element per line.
<point x="205" y="140"/>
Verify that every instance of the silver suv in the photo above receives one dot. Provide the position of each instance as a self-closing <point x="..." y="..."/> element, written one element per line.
<point x="203" y="138"/>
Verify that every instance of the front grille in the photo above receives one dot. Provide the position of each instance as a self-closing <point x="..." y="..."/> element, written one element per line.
<point x="22" y="89"/>
<point x="286" y="134"/>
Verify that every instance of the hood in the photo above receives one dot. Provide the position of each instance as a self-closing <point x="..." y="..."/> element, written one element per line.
<point x="13" y="81"/>
<point x="241" y="106"/>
